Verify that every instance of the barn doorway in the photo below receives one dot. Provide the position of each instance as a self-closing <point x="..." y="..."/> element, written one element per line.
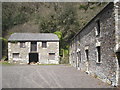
<point x="33" y="57"/>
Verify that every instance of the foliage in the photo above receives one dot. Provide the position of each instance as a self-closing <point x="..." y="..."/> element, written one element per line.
<point x="4" y="58"/>
<point x="48" y="26"/>
<point x="83" y="7"/>
<point x="4" y="44"/>
<point x="59" y="34"/>
<point x="91" y="5"/>
<point x="62" y="24"/>
<point x="13" y="16"/>
<point x="14" y="41"/>
<point x="5" y="63"/>
<point x="62" y="19"/>
<point x="48" y="64"/>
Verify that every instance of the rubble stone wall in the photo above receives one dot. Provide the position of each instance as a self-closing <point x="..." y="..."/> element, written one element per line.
<point x="87" y="38"/>
<point x="43" y="53"/>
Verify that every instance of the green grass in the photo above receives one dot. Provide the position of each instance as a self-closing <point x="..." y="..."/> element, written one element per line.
<point x="55" y="64"/>
<point x="48" y="64"/>
<point x="5" y="63"/>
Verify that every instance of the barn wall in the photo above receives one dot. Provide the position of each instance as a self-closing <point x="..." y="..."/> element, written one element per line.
<point x="86" y="38"/>
<point x="43" y="53"/>
<point x="23" y="52"/>
<point x="52" y="47"/>
<point x="117" y="36"/>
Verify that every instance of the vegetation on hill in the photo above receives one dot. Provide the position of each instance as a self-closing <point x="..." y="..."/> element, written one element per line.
<point x="63" y="19"/>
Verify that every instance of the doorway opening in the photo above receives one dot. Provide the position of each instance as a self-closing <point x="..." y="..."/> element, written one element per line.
<point x="118" y="57"/>
<point x="33" y="57"/>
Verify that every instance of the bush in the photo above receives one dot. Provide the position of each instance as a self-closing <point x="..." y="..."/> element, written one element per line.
<point x="4" y="46"/>
<point x="83" y="7"/>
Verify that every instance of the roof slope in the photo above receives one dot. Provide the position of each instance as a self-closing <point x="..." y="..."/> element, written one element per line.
<point x="33" y="37"/>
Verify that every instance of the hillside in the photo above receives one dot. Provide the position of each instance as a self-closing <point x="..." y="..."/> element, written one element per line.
<point x="65" y="19"/>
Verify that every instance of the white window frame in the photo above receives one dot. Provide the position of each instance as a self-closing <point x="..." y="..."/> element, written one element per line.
<point x="97" y="27"/>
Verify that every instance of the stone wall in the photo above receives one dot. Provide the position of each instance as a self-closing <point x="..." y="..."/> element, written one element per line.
<point x="43" y="53"/>
<point x="23" y="52"/>
<point x="52" y="47"/>
<point x="86" y="38"/>
<point x="117" y="36"/>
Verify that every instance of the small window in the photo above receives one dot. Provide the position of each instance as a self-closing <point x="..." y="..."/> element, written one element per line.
<point x="15" y="55"/>
<point x="52" y="56"/>
<point x="44" y="44"/>
<point x="97" y="28"/>
<point x="33" y="46"/>
<point x="98" y="54"/>
<point x="22" y="44"/>
<point x="79" y="56"/>
<point x="118" y="57"/>
<point x="73" y="61"/>
<point x="87" y="54"/>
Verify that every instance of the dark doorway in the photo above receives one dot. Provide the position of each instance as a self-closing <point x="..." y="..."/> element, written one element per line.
<point x="33" y="57"/>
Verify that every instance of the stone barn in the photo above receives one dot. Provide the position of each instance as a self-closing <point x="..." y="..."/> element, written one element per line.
<point x="96" y="48"/>
<point x="33" y="47"/>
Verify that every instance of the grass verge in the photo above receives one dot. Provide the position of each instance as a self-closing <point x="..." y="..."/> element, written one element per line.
<point x="5" y="63"/>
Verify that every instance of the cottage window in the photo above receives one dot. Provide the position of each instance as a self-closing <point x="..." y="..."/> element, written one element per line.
<point x="44" y="44"/>
<point x="15" y="55"/>
<point x="52" y="56"/>
<point x="97" y="28"/>
<point x="22" y="44"/>
<point x="98" y="54"/>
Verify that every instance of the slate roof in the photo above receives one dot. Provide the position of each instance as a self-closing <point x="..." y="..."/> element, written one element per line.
<point x="33" y="37"/>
